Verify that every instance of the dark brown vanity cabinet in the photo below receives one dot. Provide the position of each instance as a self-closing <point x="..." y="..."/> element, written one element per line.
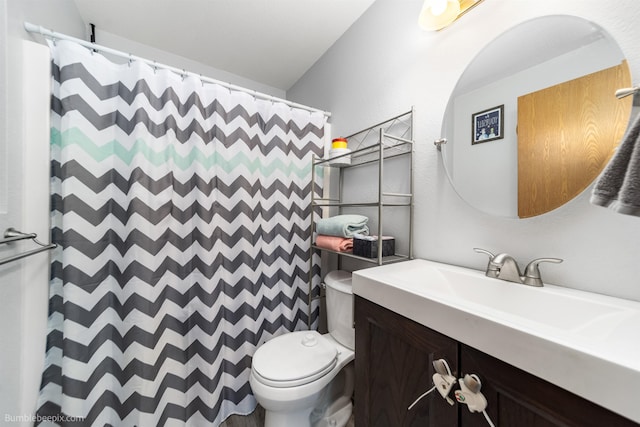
<point x="394" y="366"/>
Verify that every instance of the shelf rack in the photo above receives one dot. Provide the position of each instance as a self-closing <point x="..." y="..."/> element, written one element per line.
<point x="392" y="138"/>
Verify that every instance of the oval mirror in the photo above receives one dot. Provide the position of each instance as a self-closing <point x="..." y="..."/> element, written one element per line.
<point x="534" y="118"/>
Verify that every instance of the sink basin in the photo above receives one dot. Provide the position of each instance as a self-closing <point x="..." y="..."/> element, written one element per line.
<point x="571" y="338"/>
<point x="551" y="306"/>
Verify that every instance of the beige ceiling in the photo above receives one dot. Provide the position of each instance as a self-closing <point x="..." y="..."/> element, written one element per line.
<point x="273" y="42"/>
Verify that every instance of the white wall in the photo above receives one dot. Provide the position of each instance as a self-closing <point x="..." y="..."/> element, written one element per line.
<point x="385" y="63"/>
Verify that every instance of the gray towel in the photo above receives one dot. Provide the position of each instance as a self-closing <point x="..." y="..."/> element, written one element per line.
<point x="618" y="186"/>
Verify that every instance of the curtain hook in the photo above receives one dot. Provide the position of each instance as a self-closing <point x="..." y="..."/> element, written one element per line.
<point x="201" y="81"/>
<point x="155" y="67"/>
<point x="184" y="74"/>
<point x="130" y="60"/>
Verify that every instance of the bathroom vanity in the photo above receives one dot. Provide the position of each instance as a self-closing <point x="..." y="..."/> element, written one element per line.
<point x="545" y="356"/>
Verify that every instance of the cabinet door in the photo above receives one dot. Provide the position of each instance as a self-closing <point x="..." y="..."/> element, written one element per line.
<point x="393" y="364"/>
<point x="517" y="398"/>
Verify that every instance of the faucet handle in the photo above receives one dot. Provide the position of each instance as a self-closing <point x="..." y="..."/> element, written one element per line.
<point x="491" y="269"/>
<point x="532" y="272"/>
<point x="484" y="251"/>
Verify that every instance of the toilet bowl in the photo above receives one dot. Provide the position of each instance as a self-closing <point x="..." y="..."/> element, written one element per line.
<point x="305" y="379"/>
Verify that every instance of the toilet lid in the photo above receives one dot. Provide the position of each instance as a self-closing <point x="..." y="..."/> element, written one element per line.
<point x="294" y="359"/>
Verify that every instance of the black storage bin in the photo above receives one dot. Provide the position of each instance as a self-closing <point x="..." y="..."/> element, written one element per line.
<point x="369" y="248"/>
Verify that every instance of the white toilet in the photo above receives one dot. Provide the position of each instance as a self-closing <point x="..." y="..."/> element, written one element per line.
<point x="305" y="379"/>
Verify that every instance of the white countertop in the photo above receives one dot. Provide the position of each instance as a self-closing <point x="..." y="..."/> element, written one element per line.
<point x="586" y="343"/>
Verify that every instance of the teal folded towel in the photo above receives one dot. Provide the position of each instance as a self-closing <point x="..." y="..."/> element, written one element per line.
<point x="343" y="225"/>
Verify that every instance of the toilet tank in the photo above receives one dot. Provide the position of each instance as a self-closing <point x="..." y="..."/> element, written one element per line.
<point x="340" y="307"/>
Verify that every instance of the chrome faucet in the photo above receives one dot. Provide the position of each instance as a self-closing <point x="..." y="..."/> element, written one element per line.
<point x="504" y="267"/>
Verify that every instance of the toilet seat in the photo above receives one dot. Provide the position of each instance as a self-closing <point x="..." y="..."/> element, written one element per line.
<point x="294" y="359"/>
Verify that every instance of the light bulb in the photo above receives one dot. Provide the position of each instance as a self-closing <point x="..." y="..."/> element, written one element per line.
<point x="438" y="7"/>
<point x="437" y="14"/>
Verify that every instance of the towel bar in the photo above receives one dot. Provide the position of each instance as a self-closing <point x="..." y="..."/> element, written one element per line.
<point x="622" y="93"/>
<point x="12" y="235"/>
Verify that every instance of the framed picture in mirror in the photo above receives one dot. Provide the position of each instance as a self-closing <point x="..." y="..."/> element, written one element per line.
<point x="487" y="125"/>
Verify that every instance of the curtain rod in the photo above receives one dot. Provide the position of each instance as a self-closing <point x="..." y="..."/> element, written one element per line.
<point x="53" y="35"/>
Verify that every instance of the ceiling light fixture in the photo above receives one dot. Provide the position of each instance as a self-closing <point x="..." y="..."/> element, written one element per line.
<point x="437" y="14"/>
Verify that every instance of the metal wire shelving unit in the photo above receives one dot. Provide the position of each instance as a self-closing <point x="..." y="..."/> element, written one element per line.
<point x="373" y="146"/>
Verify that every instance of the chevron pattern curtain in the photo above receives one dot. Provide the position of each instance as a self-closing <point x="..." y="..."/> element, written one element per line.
<point x="182" y="211"/>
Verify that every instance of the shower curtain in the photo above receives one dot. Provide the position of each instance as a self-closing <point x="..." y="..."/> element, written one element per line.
<point x="182" y="214"/>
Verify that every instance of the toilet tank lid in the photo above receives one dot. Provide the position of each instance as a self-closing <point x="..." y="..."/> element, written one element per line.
<point x="339" y="280"/>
